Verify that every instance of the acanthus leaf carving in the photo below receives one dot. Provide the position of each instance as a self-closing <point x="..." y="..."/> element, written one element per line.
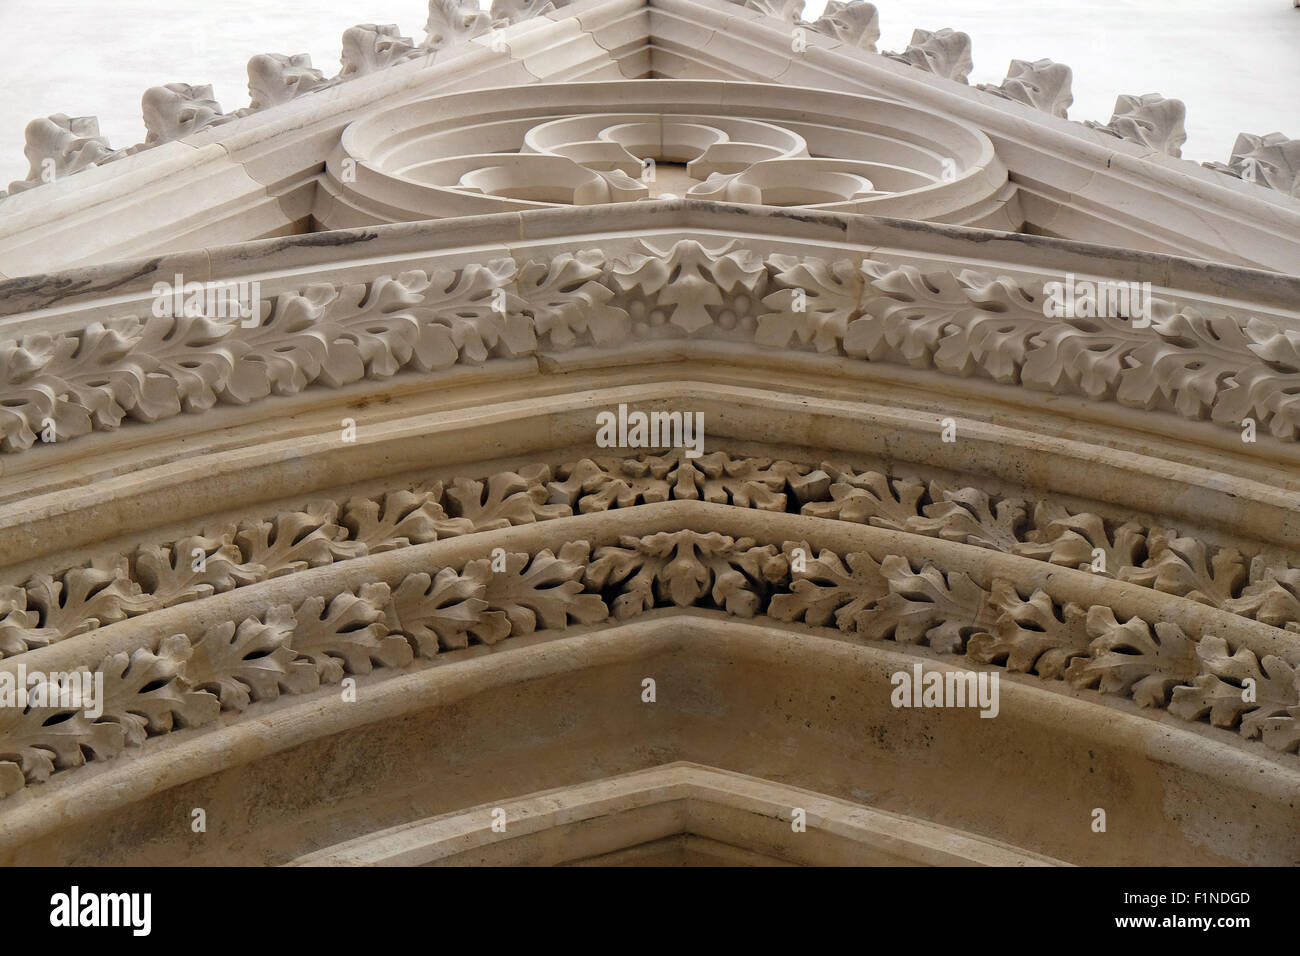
<point x="145" y="694"/>
<point x="869" y="498"/>
<point x="439" y="612"/>
<point x="349" y="634"/>
<point x="1196" y="365"/>
<point x="969" y="516"/>
<point x="1219" y="692"/>
<point x="1272" y="597"/>
<point x="1130" y="660"/>
<point x="827" y="590"/>
<point x="84" y="598"/>
<point x="996" y="336"/>
<point x="909" y="317"/>
<point x="477" y="313"/>
<point x="295" y="540"/>
<point x="598" y="485"/>
<point x="167" y="573"/>
<point x="251" y="661"/>
<point x="566" y="302"/>
<point x="931" y="606"/>
<point x="1031" y="635"/>
<point x="20" y="626"/>
<point x="401" y="518"/>
<point x="1183" y="566"/>
<point x="1071" y="540"/>
<point x="1186" y="366"/>
<point x="288" y="651"/>
<point x="30" y="398"/>
<point x="816" y="306"/>
<point x="39" y="743"/>
<point x="539" y="589"/>
<point x="505" y="499"/>
<point x="716" y="477"/>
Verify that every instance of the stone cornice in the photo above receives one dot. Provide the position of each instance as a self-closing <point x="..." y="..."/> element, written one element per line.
<point x="1196" y="362"/>
<point x="68" y="298"/>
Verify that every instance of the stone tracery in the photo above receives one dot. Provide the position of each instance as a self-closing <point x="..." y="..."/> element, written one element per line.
<point x="464" y="154"/>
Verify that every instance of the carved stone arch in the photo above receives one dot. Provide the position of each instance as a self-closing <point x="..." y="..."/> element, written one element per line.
<point x="312" y="459"/>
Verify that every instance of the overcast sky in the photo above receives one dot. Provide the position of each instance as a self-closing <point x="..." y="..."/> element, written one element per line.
<point x="1235" y="63"/>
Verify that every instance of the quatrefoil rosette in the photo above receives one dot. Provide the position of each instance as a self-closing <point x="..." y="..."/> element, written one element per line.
<point x="639" y="140"/>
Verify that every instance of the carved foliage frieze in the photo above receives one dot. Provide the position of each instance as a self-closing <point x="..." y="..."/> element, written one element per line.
<point x="1189" y="360"/>
<point x="51" y="607"/>
<point x="187" y="680"/>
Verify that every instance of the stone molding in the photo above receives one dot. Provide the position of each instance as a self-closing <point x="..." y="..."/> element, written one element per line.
<point x="866" y="836"/>
<point x="961" y="323"/>
<point x="1066" y="628"/>
<point x="1262" y="584"/>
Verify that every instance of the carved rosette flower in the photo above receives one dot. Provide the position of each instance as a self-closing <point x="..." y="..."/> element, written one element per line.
<point x="695" y="282"/>
<point x="685" y="568"/>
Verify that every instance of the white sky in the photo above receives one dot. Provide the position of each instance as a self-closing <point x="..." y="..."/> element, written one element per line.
<point x="1235" y="63"/>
